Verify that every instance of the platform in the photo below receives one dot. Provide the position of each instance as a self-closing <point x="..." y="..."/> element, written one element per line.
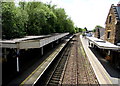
<point x="96" y="65"/>
<point x="100" y="72"/>
<point x="36" y="74"/>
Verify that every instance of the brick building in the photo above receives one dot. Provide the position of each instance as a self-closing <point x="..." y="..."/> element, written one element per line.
<point x="112" y="28"/>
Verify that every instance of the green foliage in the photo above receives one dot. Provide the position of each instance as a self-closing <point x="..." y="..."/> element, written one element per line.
<point x="12" y="21"/>
<point x="98" y="26"/>
<point x="85" y="29"/>
<point x="78" y="29"/>
<point x="64" y="23"/>
<point x="34" y="18"/>
<point x="94" y="30"/>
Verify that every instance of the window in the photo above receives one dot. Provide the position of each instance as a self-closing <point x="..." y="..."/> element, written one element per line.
<point x="108" y="35"/>
<point x="110" y="19"/>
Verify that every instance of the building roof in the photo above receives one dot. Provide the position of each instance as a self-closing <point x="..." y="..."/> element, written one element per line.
<point x="31" y="41"/>
<point x="118" y="11"/>
<point x="103" y="44"/>
<point x="16" y="40"/>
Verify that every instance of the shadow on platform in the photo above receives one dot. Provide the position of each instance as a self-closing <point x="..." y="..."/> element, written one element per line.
<point x="108" y="67"/>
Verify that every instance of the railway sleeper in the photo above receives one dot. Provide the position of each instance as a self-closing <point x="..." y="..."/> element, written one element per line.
<point x="56" y="79"/>
<point x="57" y="74"/>
<point x="53" y="84"/>
<point x="65" y="55"/>
<point x="60" y="66"/>
<point x="58" y="70"/>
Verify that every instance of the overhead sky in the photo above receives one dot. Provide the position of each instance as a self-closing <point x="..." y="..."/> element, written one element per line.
<point x="85" y="13"/>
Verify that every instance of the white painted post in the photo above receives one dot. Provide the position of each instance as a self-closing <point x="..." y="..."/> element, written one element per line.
<point x="41" y="50"/>
<point x="18" y="60"/>
<point x="108" y="52"/>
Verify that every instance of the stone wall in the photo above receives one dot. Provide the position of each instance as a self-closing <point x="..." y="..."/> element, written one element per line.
<point x="110" y="26"/>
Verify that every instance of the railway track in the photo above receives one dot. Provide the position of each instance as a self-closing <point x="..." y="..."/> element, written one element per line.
<point x="58" y="72"/>
<point x="79" y="70"/>
<point x="89" y="73"/>
<point x="71" y="68"/>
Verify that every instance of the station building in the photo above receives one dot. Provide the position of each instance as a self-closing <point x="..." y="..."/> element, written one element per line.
<point x="107" y="41"/>
<point x="112" y="28"/>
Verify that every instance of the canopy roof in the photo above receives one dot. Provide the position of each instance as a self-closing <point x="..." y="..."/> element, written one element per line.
<point x="31" y="41"/>
<point x="103" y="44"/>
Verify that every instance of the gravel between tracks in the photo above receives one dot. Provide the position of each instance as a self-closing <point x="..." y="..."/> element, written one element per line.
<point x="78" y="69"/>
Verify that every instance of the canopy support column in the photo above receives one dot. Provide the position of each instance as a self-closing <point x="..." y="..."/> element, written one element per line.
<point x="41" y="50"/>
<point x="18" y="52"/>
<point x="108" y="52"/>
<point x="89" y="43"/>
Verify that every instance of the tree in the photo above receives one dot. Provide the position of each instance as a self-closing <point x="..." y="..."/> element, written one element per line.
<point x="80" y="29"/>
<point x="70" y="27"/>
<point x="44" y="19"/>
<point x="85" y="29"/>
<point x="12" y="21"/>
<point x="34" y="18"/>
<point x="98" y="26"/>
<point x="94" y="30"/>
<point x="64" y="23"/>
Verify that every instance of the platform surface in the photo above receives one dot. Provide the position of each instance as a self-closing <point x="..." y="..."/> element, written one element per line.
<point x="102" y="75"/>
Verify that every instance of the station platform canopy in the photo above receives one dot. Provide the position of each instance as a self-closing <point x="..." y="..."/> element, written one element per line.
<point x="103" y="44"/>
<point x="31" y="41"/>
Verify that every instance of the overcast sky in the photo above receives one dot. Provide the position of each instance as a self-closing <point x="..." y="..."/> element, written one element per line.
<point x="85" y="13"/>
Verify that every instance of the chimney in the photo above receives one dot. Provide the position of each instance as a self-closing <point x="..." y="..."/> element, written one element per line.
<point x="118" y="4"/>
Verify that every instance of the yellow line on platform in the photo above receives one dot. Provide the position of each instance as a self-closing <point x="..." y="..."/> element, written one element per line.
<point x="31" y="74"/>
<point x="38" y="67"/>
